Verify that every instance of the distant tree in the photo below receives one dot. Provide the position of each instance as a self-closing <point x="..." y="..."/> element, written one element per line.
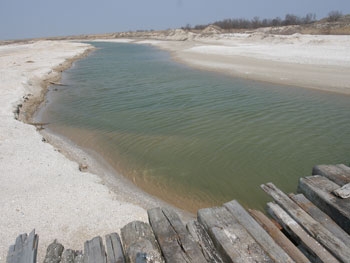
<point x="188" y="27"/>
<point x="334" y="16"/>
<point x="256" y="22"/>
<point x="309" y="18"/>
<point x="291" y="20"/>
<point x="277" y="21"/>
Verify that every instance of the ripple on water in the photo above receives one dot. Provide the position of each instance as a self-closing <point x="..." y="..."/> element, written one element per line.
<point x="196" y="138"/>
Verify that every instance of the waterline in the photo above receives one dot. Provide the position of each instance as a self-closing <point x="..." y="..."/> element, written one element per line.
<point x="195" y="138"/>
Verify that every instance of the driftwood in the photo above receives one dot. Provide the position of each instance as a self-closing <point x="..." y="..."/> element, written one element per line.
<point x="257" y="232"/>
<point x="343" y="192"/>
<point x="321" y="217"/>
<point x="318" y="190"/>
<point x="139" y="243"/>
<point x="279" y="237"/>
<point x="39" y="125"/>
<point x="54" y="252"/>
<point x="72" y="256"/>
<point x="57" y="83"/>
<point x="94" y="251"/>
<point x="174" y="240"/>
<point x="24" y="250"/>
<point x="230" y="238"/>
<point x="114" y="249"/>
<point x="314" y="250"/>
<point x="340" y="173"/>
<point x="312" y="227"/>
<point x="204" y="241"/>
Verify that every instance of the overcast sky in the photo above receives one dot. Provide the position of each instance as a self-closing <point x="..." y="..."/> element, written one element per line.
<point x="39" y="18"/>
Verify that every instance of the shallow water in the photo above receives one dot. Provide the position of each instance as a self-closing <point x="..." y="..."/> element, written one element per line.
<point x="195" y="138"/>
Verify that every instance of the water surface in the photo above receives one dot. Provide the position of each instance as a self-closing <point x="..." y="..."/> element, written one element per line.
<point x="196" y="138"/>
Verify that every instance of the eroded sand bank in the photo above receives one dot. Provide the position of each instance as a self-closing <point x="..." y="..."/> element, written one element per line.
<point x="39" y="187"/>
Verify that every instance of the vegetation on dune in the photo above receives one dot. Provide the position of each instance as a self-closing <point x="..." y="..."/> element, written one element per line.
<point x="256" y="22"/>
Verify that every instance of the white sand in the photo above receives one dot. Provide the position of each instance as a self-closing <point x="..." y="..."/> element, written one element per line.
<point x="39" y="187"/>
<point x="318" y="62"/>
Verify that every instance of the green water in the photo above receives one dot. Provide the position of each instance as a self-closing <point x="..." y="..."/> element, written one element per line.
<point x="195" y="138"/>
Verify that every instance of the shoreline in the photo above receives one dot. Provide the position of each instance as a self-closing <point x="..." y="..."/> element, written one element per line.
<point x="41" y="188"/>
<point x="235" y="57"/>
<point x="318" y="62"/>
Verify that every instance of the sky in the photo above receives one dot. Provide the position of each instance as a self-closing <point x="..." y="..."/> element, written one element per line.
<point x="43" y="18"/>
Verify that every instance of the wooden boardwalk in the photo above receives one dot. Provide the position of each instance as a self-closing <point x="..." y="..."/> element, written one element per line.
<point x="311" y="226"/>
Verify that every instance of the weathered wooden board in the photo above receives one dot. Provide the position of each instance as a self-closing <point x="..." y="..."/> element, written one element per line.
<point x="175" y="242"/>
<point x="257" y="232"/>
<point x="318" y="190"/>
<point x="321" y="217"/>
<point x="230" y="238"/>
<point x="94" y="251"/>
<point x="204" y="241"/>
<point x="24" y="250"/>
<point x="314" y="249"/>
<point x="340" y="173"/>
<point x="115" y="253"/>
<point x="279" y="237"/>
<point x="139" y="243"/>
<point x="54" y="253"/>
<point x="343" y="192"/>
<point x="312" y="227"/>
<point x="72" y="256"/>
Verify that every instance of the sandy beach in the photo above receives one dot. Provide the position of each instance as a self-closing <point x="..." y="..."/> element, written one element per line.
<point x="311" y="61"/>
<point x="319" y="62"/>
<point x="41" y="188"/>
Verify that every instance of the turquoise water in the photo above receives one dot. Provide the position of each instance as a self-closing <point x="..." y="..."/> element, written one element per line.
<point x="196" y="138"/>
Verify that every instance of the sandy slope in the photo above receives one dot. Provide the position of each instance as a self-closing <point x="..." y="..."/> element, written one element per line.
<point x="39" y="187"/>
<point x="311" y="61"/>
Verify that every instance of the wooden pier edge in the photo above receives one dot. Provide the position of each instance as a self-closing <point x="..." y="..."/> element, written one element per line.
<point x="311" y="226"/>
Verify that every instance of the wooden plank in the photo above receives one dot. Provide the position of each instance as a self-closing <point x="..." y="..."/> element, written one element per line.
<point x="139" y="243"/>
<point x="321" y="217"/>
<point x="343" y="192"/>
<point x="230" y="238"/>
<point x="257" y="232"/>
<point x="94" y="251"/>
<point x="318" y="190"/>
<point x="314" y="249"/>
<point x="72" y="256"/>
<point x="115" y="253"/>
<point x="279" y="237"/>
<point x="340" y="173"/>
<point x="54" y="253"/>
<point x="175" y="242"/>
<point x="24" y="250"/>
<point x="204" y="241"/>
<point x="312" y="227"/>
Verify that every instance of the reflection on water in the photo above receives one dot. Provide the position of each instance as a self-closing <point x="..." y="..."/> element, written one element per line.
<point x="195" y="138"/>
